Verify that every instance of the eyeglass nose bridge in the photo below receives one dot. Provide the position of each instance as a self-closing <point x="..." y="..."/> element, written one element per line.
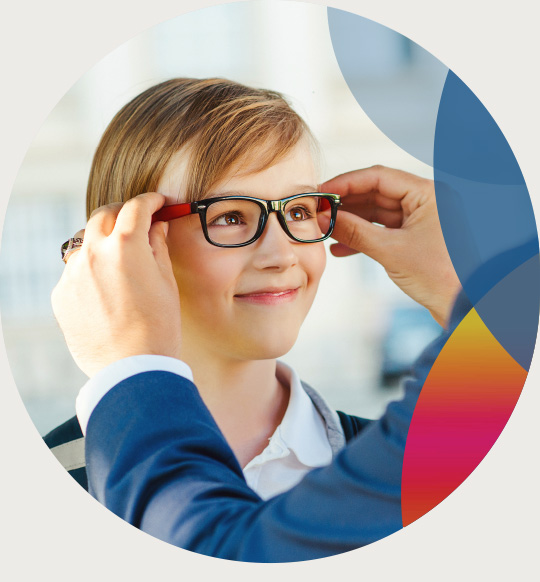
<point x="275" y="205"/>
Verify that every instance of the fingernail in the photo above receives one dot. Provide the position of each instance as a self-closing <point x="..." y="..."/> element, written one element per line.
<point x="165" y="228"/>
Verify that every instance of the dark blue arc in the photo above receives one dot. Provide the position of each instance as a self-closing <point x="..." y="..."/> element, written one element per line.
<point x="511" y="310"/>
<point x="484" y="206"/>
<point x="485" y="212"/>
<point x="468" y="142"/>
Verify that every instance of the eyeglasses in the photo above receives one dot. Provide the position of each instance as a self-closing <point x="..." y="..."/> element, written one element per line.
<point x="237" y="221"/>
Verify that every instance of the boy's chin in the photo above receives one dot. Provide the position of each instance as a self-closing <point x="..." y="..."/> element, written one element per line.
<point x="269" y="350"/>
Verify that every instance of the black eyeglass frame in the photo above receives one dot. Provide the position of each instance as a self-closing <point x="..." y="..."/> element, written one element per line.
<point x="200" y="207"/>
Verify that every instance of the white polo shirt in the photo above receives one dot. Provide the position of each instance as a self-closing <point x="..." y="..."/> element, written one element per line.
<point x="300" y="443"/>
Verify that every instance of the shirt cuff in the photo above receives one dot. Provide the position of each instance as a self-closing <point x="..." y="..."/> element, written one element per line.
<point x="94" y="390"/>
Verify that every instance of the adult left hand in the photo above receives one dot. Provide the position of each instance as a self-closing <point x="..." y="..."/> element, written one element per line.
<point x="117" y="296"/>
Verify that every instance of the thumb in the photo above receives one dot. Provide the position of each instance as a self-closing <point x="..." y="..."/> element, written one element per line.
<point x="360" y="235"/>
<point x="157" y="239"/>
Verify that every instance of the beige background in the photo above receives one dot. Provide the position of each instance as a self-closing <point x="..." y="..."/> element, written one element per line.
<point x="486" y="530"/>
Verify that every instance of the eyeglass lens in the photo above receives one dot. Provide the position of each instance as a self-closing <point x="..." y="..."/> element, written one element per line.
<point x="233" y="222"/>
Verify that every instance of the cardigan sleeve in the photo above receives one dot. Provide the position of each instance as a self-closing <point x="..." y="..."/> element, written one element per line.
<point x="157" y="459"/>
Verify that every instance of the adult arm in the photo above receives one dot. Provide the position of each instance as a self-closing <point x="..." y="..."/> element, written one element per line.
<point x="161" y="462"/>
<point x="157" y="459"/>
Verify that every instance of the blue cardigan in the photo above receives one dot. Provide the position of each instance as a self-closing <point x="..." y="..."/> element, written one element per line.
<point x="156" y="458"/>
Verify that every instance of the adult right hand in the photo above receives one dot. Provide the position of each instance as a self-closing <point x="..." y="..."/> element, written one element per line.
<point x="117" y="296"/>
<point x="411" y="248"/>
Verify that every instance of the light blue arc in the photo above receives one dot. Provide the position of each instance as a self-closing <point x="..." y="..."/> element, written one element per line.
<point x="405" y="108"/>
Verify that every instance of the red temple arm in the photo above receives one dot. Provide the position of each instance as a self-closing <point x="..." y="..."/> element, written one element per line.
<point x="171" y="212"/>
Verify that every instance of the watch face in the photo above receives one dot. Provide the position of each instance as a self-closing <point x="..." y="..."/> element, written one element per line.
<point x="64" y="249"/>
<point x="69" y="245"/>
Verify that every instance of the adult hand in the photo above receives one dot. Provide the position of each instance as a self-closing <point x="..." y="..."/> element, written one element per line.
<point x="411" y="248"/>
<point x="117" y="296"/>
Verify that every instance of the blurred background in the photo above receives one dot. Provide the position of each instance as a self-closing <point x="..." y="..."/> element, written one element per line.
<point x="362" y="333"/>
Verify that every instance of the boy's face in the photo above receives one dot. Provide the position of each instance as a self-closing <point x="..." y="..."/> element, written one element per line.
<point x="247" y="302"/>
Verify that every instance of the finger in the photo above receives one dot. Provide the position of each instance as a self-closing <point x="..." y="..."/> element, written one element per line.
<point x="158" y="241"/>
<point x="373" y="198"/>
<point x="101" y="222"/>
<point x="388" y="181"/>
<point x="361" y="235"/>
<point x="374" y="213"/>
<point x="341" y="250"/>
<point x="135" y="217"/>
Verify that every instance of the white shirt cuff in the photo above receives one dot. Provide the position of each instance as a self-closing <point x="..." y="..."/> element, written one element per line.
<point x="97" y="386"/>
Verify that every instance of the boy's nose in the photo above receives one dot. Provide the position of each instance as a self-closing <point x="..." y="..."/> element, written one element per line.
<point x="275" y="249"/>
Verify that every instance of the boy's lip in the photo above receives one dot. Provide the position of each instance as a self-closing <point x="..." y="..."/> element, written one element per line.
<point x="269" y="296"/>
<point x="276" y="291"/>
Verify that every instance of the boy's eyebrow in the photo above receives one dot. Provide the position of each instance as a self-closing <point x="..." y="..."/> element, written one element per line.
<point x="300" y="189"/>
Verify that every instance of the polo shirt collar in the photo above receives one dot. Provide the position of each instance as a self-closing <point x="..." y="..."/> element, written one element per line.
<point x="302" y="430"/>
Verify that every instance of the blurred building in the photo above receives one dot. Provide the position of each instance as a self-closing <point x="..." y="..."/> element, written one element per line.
<point x="279" y="45"/>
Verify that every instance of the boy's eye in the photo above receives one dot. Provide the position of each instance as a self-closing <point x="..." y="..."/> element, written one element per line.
<point x="229" y="219"/>
<point x="297" y="214"/>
